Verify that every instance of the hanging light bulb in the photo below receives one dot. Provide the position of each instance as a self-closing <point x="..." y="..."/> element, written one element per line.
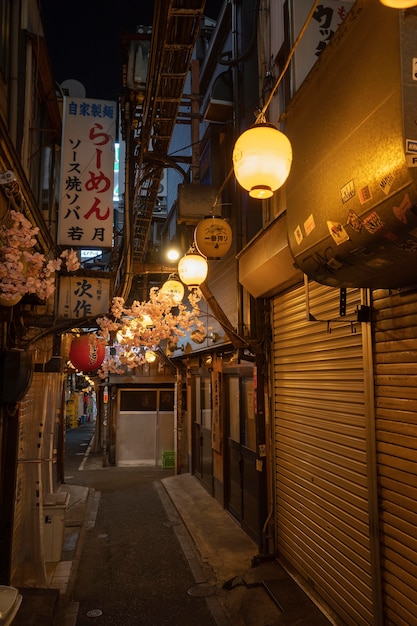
<point x="173" y="287"/>
<point x="399" y="4"/>
<point x="193" y="268"/>
<point x="262" y="159"/>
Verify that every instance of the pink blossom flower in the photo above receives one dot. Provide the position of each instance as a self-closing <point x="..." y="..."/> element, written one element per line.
<point x="23" y="269"/>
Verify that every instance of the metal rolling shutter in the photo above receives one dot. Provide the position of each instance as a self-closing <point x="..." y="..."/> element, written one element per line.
<point x="27" y="561"/>
<point x="395" y="357"/>
<point x="322" y="519"/>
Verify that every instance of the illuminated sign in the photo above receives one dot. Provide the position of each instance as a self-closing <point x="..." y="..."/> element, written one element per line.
<point x="87" y="173"/>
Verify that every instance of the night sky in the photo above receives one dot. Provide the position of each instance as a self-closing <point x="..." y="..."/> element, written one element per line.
<point x="84" y="39"/>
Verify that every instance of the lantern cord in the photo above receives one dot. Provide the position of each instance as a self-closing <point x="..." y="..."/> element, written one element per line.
<point x="223" y="185"/>
<point x="261" y="115"/>
<point x="59" y="329"/>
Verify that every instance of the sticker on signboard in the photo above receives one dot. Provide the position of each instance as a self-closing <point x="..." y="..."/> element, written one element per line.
<point x="348" y="191"/>
<point x="411" y="145"/>
<point x="400" y="211"/>
<point x="364" y="194"/>
<point x="337" y="232"/>
<point x="409" y="245"/>
<point x="386" y="183"/>
<point x="373" y="223"/>
<point x="354" y="221"/>
<point x="390" y="236"/>
<point x="411" y="160"/>
<point x="298" y="235"/>
<point x="309" y="224"/>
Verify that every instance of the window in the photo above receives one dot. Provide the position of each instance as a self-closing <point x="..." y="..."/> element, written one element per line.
<point x="241" y="408"/>
<point x="143" y="400"/>
<point x="206" y="403"/>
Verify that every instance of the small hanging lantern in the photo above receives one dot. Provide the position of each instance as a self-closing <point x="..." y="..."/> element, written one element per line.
<point x="10" y="301"/>
<point x="174" y="288"/>
<point x="150" y="356"/>
<point x="262" y="159"/>
<point x="87" y="353"/>
<point x="193" y="268"/>
<point x="213" y="237"/>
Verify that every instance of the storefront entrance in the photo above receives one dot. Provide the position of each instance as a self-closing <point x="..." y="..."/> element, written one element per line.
<point x="145" y="425"/>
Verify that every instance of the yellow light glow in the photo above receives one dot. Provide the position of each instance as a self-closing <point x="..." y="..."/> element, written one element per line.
<point x="262" y="159"/>
<point x="399" y="4"/>
<point x="146" y="321"/>
<point x="193" y="269"/>
<point x="174" y="288"/>
<point x="173" y="255"/>
<point x="150" y="356"/>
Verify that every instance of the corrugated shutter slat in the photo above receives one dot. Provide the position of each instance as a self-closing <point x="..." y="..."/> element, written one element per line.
<point x="395" y="354"/>
<point x="320" y="438"/>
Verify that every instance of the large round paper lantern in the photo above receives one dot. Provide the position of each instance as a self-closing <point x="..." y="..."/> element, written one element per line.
<point x="213" y="237"/>
<point x="262" y="159"/>
<point x="87" y="353"/>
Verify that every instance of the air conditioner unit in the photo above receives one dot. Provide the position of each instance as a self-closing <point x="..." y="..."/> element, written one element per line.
<point x="352" y="193"/>
<point x="16" y="369"/>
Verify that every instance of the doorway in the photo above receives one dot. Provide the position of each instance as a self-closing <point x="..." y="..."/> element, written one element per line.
<point x="145" y="425"/>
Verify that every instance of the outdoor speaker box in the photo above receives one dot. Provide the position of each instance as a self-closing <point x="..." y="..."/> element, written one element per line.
<point x="16" y="369"/>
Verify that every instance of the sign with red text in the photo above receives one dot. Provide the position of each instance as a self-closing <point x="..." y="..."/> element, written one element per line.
<point x="87" y="173"/>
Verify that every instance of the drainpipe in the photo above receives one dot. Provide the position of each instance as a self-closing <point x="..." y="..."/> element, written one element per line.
<point x="261" y="379"/>
<point x="127" y="258"/>
<point x="27" y="109"/>
<point x="14" y="71"/>
<point x="372" y="482"/>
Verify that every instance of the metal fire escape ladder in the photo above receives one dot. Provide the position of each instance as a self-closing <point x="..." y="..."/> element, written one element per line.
<point x="175" y="30"/>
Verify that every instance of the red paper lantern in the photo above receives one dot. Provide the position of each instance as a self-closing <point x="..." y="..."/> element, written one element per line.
<point x="87" y="353"/>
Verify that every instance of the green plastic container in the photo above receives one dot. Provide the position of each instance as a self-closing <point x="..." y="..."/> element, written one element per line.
<point x="168" y="459"/>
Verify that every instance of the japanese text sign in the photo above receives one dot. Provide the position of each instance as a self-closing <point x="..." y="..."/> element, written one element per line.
<point x="81" y="297"/>
<point x="326" y="19"/>
<point x="87" y="173"/>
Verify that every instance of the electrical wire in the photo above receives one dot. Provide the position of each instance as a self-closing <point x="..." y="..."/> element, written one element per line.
<point x="261" y="115"/>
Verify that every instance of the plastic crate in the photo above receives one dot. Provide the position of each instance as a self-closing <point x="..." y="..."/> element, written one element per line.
<point x="168" y="459"/>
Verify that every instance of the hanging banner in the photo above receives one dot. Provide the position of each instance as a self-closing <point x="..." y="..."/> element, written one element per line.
<point x="80" y="296"/>
<point x="87" y="173"/>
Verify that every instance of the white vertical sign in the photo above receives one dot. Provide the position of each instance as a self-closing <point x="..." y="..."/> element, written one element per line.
<point x="87" y="173"/>
<point x="82" y="296"/>
<point x="327" y="18"/>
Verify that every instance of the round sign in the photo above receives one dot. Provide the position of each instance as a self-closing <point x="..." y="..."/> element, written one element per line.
<point x="213" y="237"/>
